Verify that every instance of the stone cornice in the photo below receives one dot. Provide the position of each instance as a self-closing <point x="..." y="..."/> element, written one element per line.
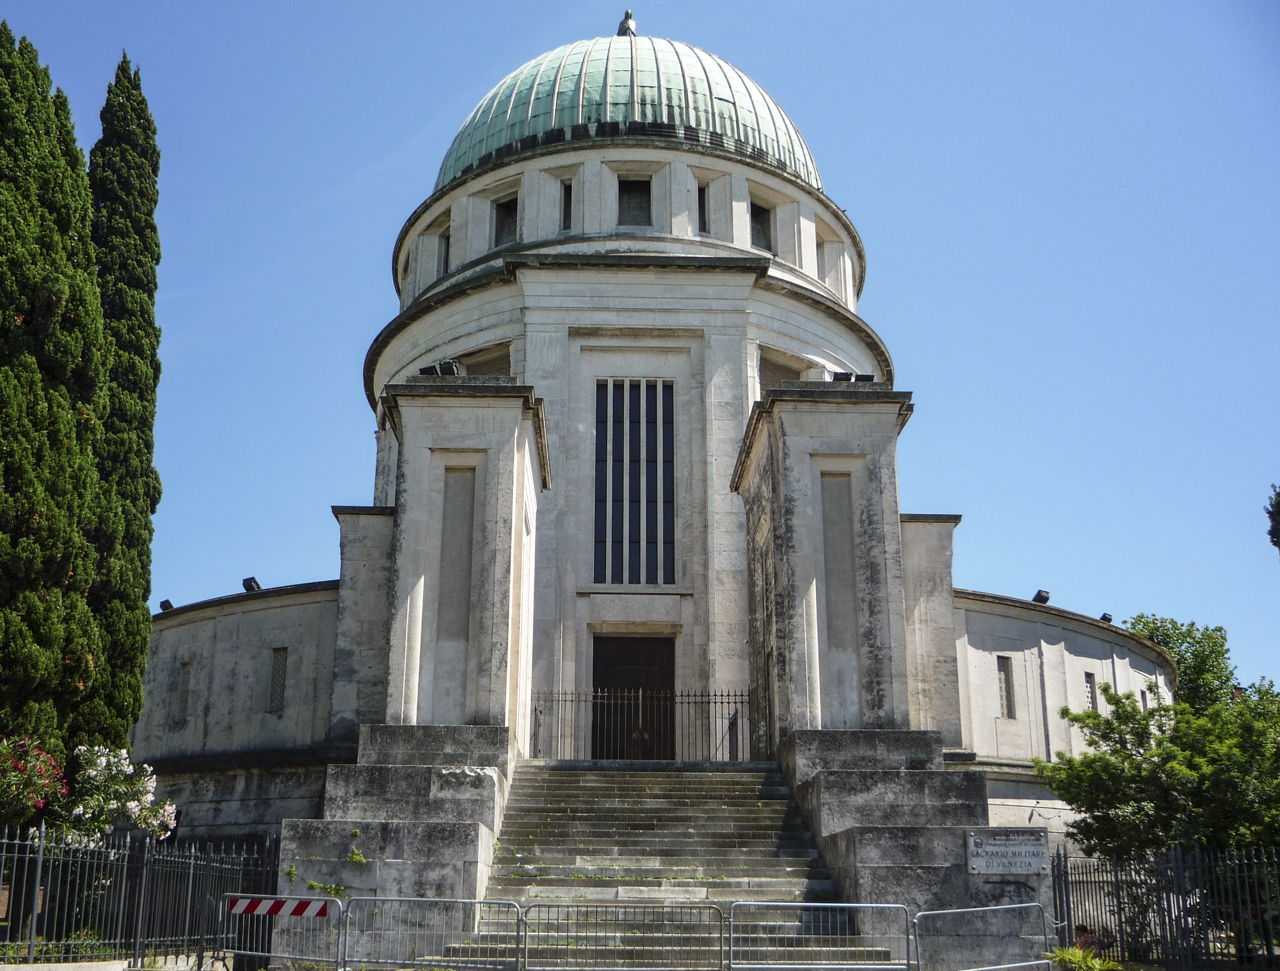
<point x="816" y="392"/>
<point x="239" y="598"/>
<point x="487" y="272"/>
<point x="466" y="386"/>
<point x="1111" y="630"/>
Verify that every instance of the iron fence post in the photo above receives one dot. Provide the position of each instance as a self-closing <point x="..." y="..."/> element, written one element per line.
<point x="35" y="899"/>
<point x="139" y="922"/>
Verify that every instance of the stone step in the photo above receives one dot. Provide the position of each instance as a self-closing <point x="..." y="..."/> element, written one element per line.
<point x="708" y="824"/>
<point x="653" y="837"/>
<point x="651" y="783"/>
<point x="522" y="801"/>
<point x="656" y="896"/>
<point x="676" y="862"/>
<point x="595" y="870"/>
<point x="666" y="845"/>
<point x="674" y="855"/>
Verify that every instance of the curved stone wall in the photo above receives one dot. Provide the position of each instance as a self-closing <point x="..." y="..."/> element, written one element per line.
<point x="1050" y="655"/>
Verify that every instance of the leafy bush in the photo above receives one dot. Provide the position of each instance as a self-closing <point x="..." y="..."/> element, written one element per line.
<point x="1076" y="959"/>
<point x="30" y="780"/>
<point x="108" y="787"/>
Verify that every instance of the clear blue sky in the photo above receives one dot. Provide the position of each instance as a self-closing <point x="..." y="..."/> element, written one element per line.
<point x="1071" y="214"/>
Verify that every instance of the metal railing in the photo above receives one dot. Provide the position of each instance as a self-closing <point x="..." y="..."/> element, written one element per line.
<point x="120" y="896"/>
<point x="408" y="932"/>
<point x="1186" y="909"/>
<point x="982" y="938"/>
<point x="701" y="726"/>
<point x="875" y="937"/>
<point x="684" y="936"/>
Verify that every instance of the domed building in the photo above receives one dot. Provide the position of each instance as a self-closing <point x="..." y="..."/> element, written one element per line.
<point x="635" y="501"/>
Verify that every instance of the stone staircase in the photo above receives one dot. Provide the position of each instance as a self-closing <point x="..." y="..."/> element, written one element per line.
<point x="621" y="863"/>
<point x="656" y="833"/>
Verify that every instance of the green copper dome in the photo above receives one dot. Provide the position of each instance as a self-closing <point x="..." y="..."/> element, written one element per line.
<point x="629" y="88"/>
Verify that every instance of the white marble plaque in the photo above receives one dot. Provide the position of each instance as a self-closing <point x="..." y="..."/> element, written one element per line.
<point x="1008" y="850"/>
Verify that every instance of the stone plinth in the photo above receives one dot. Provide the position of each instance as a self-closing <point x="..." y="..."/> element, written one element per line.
<point x="892" y="822"/>
<point x="478" y="745"/>
<point x="385" y="859"/>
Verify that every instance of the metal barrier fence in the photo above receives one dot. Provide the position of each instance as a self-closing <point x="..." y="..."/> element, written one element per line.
<point x="1186" y="909"/>
<point x="642" y="725"/>
<point x="120" y="896"/>
<point x="982" y="938"/>
<point x="409" y="932"/>
<point x="297" y="929"/>
<point x="307" y="933"/>
<point x="689" y="936"/>
<point x="786" y="935"/>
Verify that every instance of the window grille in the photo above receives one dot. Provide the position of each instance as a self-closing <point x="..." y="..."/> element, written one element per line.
<point x="634" y="207"/>
<point x="504" y="221"/>
<point x="490" y="360"/>
<point x="635" y="517"/>
<point x="761" y="227"/>
<point x="279" y="668"/>
<point x="772" y="374"/>
<point x="1091" y="690"/>
<point x="184" y="690"/>
<point x="1004" y="673"/>
<point x="442" y="255"/>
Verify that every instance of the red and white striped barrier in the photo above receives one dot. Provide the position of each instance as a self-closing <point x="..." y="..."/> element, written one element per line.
<point x="274" y="906"/>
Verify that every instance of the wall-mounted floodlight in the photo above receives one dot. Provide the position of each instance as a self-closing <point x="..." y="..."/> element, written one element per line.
<point x="450" y="368"/>
<point x="842" y="376"/>
<point x="1041" y="597"/>
<point x="431" y="370"/>
<point x="1105" y="618"/>
<point x="864" y="377"/>
<point x="251" y="584"/>
<point x="166" y="605"/>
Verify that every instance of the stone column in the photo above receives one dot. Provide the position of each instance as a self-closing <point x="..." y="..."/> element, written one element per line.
<point x="360" y="652"/>
<point x="472" y="460"/>
<point x="818" y="476"/>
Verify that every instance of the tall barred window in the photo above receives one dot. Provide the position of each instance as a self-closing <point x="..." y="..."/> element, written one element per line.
<point x="635" y="521"/>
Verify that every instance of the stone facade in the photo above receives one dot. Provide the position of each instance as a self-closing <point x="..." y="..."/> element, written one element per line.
<point x="628" y="394"/>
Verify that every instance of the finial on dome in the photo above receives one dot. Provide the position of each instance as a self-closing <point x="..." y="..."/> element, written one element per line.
<point x="628" y="26"/>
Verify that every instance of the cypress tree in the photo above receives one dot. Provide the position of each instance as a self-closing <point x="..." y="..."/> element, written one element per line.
<point x="123" y="168"/>
<point x="53" y="355"/>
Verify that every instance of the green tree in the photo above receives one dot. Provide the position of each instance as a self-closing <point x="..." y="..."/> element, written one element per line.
<point x="1172" y="775"/>
<point x="123" y="168"/>
<point x="1206" y="676"/>
<point x="54" y="517"/>
<point x="1272" y="509"/>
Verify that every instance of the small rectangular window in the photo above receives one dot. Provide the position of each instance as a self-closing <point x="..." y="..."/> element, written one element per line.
<point x="184" y="690"/>
<point x="822" y="261"/>
<point x="633" y="203"/>
<point x="566" y="206"/>
<point x="1004" y="675"/>
<point x="1091" y="690"/>
<point x="704" y="212"/>
<point x="1143" y="695"/>
<point x="504" y="221"/>
<point x="279" y="670"/>
<point x="761" y="227"/>
<point x="442" y="254"/>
